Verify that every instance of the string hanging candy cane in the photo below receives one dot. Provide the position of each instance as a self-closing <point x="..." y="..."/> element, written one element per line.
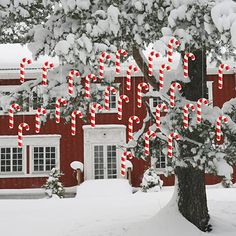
<point x="200" y="102"/>
<point x="45" y="68"/>
<point x="126" y="154"/>
<point x="107" y="96"/>
<point x="147" y="137"/>
<point x="172" y="93"/>
<point x="87" y="84"/>
<point x="118" y="54"/>
<point x="220" y="74"/>
<point x="128" y="75"/>
<point x="186" y="58"/>
<point x="171" y="136"/>
<point x="71" y="81"/>
<point x="139" y="92"/>
<point x="24" y="61"/>
<point x="73" y="120"/>
<point x="101" y="61"/>
<point x="150" y="61"/>
<point x="187" y="107"/>
<point x="13" y="107"/>
<point x="161" y="74"/>
<point x="94" y="107"/>
<point x="120" y="106"/>
<point x="59" y="102"/>
<point x="170" y="48"/>
<point x="219" y="121"/>
<point x="20" y="133"/>
<point x="131" y="126"/>
<point x="161" y="106"/>
<point x="40" y="111"/>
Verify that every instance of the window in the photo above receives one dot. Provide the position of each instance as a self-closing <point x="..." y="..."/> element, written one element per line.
<point x="161" y="162"/>
<point x="153" y="102"/>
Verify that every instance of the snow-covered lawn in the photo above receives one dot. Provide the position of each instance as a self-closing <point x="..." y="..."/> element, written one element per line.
<point x="113" y="214"/>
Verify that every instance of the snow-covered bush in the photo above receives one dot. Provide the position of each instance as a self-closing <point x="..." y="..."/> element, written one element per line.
<point x="227" y="183"/>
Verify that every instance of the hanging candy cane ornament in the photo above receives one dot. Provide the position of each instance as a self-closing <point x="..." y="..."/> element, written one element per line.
<point x="131" y="126"/>
<point x="45" y="68"/>
<point x="187" y="107"/>
<point x="126" y="154"/>
<point x="220" y="74"/>
<point x="13" y="107"/>
<point x="71" y="81"/>
<point x="160" y="107"/>
<point x="59" y="102"/>
<point x="24" y="61"/>
<point x="101" y="61"/>
<point x="200" y="102"/>
<point x="107" y="96"/>
<point x="150" y="61"/>
<point x="120" y="106"/>
<point x="147" y="137"/>
<point x="88" y="78"/>
<point x="171" y="136"/>
<point x="186" y="58"/>
<point x="118" y="54"/>
<point x="170" y="48"/>
<point x="40" y="111"/>
<point x="161" y="74"/>
<point x="94" y="107"/>
<point x="139" y="93"/>
<point x="73" y="120"/>
<point x="219" y="121"/>
<point x="128" y="75"/>
<point x="20" y="133"/>
<point x="172" y="93"/>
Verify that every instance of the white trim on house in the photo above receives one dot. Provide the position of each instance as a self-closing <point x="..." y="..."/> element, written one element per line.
<point x="210" y="92"/>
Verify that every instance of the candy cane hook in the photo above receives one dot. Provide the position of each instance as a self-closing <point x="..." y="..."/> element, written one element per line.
<point x="219" y="121"/>
<point x="71" y="81"/>
<point x="141" y="86"/>
<point x="163" y="107"/>
<point x="149" y="134"/>
<point x="131" y="126"/>
<point x="120" y="106"/>
<point x="94" y="107"/>
<point x="101" y="61"/>
<point x="186" y="58"/>
<point x="161" y="74"/>
<point x="13" y="107"/>
<point x="171" y="136"/>
<point x="220" y="74"/>
<point x="20" y="133"/>
<point x="59" y="102"/>
<point x="118" y="54"/>
<point x="126" y="154"/>
<point x="107" y="96"/>
<point x="150" y="61"/>
<point x="172" y="93"/>
<point x="187" y="107"/>
<point x="200" y="102"/>
<point x="170" y="48"/>
<point x="24" y="61"/>
<point x="40" y="111"/>
<point x="128" y="75"/>
<point x="73" y="120"/>
<point x="87" y="84"/>
<point x="45" y="68"/>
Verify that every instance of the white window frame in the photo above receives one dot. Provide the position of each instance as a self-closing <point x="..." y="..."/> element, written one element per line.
<point x="210" y="92"/>
<point x="152" y="108"/>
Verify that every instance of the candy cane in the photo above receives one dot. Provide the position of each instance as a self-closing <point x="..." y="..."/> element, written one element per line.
<point x="73" y="121"/>
<point x="186" y="113"/>
<point x="120" y="106"/>
<point x="71" y="81"/>
<point x="13" y="107"/>
<point x="200" y="102"/>
<point x="150" y="61"/>
<point x="45" y="68"/>
<point x="20" y="135"/>
<point x="161" y="74"/>
<point x="24" y="61"/>
<point x="40" y="111"/>
<point x="161" y="106"/>
<point x="101" y="61"/>
<point x="87" y="84"/>
<point x="219" y="121"/>
<point x="170" y="48"/>
<point x="139" y="93"/>
<point x="58" y="106"/>
<point x="94" y="107"/>
<point x="119" y="52"/>
<point x="130" y="126"/>
<point x="128" y="76"/>
<point x="220" y="74"/>
<point x="107" y="96"/>
<point x="172" y="92"/>
<point x="147" y="137"/>
<point x="186" y="58"/>
<point x="171" y="136"/>
<point x="126" y="154"/>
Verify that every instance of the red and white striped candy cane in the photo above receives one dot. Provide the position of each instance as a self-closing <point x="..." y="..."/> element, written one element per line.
<point x="94" y="107"/>
<point x="101" y="61"/>
<point x="73" y="120"/>
<point x="220" y="74"/>
<point x="126" y="154"/>
<point x="45" y="68"/>
<point x="24" y="61"/>
<point x="170" y="48"/>
<point x="119" y="52"/>
<point x="71" y="81"/>
<point x="186" y="58"/>
<point x="161" y="74"/>
<point x="87" y="84"/>
<point x="147" y="137"/>
<point x="128" y="76"/>
<point x="13" y="107"/>
<point x="200" y="102"/>
<point x="161" y="106"/>
<point x="150" y="61"/>
<point x="172" y="93"/>
<point x="40" y="111"/>
<point x="120" y="106"/>
<point x="187" y="107"/>
<point x="139" y="92"/>
<point x="20" y="133"/>
<point x="59" y="102"/>
<point x="171" y="136"/>
<point x="107" y="96"/>
<point x="219" y="121"/>
<point x="131" y="126"/>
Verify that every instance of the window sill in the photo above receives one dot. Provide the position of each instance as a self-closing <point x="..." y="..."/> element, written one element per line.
<point x="24" y="176"/>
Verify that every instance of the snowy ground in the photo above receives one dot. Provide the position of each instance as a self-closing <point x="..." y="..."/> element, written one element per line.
<point x="114" y="214"/>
